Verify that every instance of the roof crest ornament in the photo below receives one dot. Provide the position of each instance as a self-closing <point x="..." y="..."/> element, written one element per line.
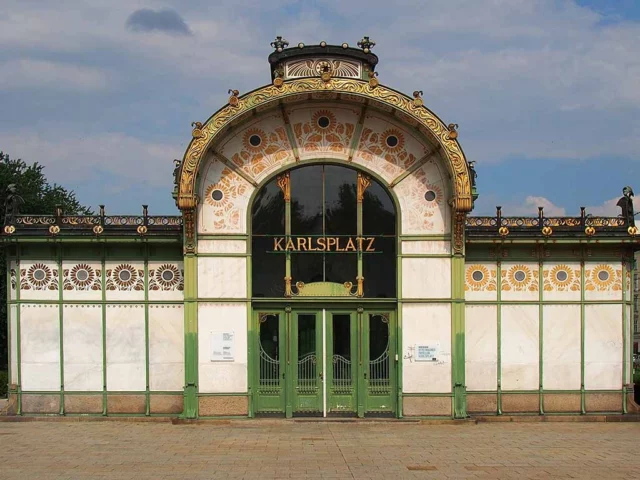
<point x="280" y="43"/>
<point x="366" y="45"/>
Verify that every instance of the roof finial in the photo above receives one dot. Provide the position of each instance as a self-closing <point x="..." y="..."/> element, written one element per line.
<point x="366" y="45"/>
<point x="279" y="43"/>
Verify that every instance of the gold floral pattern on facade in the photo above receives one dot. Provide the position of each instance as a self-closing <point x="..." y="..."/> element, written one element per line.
<point x="125" y="277"/>
<point x="13" y="275"/>
<point x="167" y="277"/>
<point x="421" y="212"/>
<point x="479" y="278"/>
<point x="385" y="152"/>
<point x="82" y="277"/>
<point x="519" y="278"/>
<point x="324" y="133"/>
<point x="262" y="151"/>
<point x="561" y="278"/>
<point x="39" y="277"/>
<point x="223" y="197"/>
<point x="603" y="278"/>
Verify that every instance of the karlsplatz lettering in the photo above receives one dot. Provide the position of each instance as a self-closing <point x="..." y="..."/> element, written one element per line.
<point x="324" y="244"/>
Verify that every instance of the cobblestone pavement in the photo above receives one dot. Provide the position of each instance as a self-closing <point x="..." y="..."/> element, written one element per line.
<point x="286" y="449"/>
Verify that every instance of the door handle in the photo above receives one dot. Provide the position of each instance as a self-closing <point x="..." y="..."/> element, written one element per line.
<point x="321" y="376"/>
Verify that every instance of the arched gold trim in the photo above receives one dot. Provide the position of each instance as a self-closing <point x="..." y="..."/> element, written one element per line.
<point x="458" y="167"/>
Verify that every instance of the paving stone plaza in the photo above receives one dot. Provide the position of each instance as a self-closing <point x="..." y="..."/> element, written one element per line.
<point x="301" y="449"/>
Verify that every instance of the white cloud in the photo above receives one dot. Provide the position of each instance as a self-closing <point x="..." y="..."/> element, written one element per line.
<point x="609" y="208"/>
<point x="36" y="74"/>
<point x="529" y="207"/>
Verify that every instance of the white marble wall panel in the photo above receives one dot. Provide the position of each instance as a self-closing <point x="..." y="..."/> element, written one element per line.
<point x="222" y="277"/>
<point x="216" y="376"/>
<point x="520" y="281"/>
<point x="126" y="357"/>
<point x="481" y="347"/>
<point x="225" y="198"/>
<point x="81" y="280"/>
<point x="40" y="347"/>
<point x="124" y="280"/>
<point x="561" y="347"/>
<point x="426" y="247"/>
<point x="429" y="324"/>
<point x="481" y="281"/>
<point x="426" y="277"/>
<point x="603" y="281"/>
<point x="520" y="347"/>
<point x="561" y="281"/>
<point x="222" y="246"/>
<point x="603" y="347"/>
<point x="39" y="280"/>
<point x="629" y="330"/>
<point x="166" y="280"/>
<point x="82" y="345"/>
<point x="13" y="318"/>
<point x="166" y="347"/>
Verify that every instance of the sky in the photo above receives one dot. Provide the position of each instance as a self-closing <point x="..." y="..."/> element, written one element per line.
<point x="546" y="92"/>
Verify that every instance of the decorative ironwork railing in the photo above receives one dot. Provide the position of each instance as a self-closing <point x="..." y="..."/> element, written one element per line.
<point x="342" y="381"/>
<point x="307" y="382"/>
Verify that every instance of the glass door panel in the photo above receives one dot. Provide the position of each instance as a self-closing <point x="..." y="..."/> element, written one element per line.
<point x="270" y="391"/>
<point x="342" y="363"/>
<point x="379" y="358"/>
<point x="307" y="354"/>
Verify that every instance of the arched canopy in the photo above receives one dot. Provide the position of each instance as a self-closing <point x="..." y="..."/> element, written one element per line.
<point x="348" y="90"/>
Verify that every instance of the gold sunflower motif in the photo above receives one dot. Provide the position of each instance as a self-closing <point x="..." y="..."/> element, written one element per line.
<point x="561" y="276"/>
<point x="519" y="276"/>
<point x="254" y="140"/>
<point x="323" y="121"/>
<point x="39" y="276"/>
<point x="603" y="276"/>
<point x="217" y="195"/>
<point x="477" y="276"/>
<point x="124" y="275"/>
<point x="392" y="140"/>
<point x="167" y="276"/>
<point x="82" y="275"/>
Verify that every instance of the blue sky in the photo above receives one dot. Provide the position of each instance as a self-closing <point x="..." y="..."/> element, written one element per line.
<point x="546" y="92"/>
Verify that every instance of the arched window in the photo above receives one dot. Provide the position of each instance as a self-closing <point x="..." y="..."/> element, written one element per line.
<point x="308" y="224"/>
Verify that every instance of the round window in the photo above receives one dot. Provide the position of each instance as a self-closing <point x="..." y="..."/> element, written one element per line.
<point x="392" y="141"/>
<point x="82" y="275"/>
<point x="520" y="276"/>
<point x="430" y="196"/>
<point x="255" y="140"/>
<point x="561" y="276"/>
<point x="477" y="275"/>
<point x="124" y="275"/>
<point x="323" y="122"/>
<point x="39" y="274"/>
<point x="167" y="276"/>
<point x="217" y="195"/>
<point x="603" y="275"/>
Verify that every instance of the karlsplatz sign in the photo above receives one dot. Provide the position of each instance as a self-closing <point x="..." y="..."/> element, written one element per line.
<point x="324" y="244"/>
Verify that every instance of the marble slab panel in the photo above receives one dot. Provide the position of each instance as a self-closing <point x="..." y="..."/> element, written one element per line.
<point x="216" y="376"/>
<point x="481" y="281"/>
<point x="124" y="280"/>
<point x="13" y="316"/>
<point x="222" y="277"/>
<point x="603" y="281"/>
<point x="82" y="280"/>
<point x="481" y="347"/>
<point x="426" y="247"/>
<point x="629" y="330"/>
<point x="166" y="280"/>
<point x="166" y="347"/>
<point x="39" y="280"/>
<point x="426" y="278"/>
<point x="520" y="281"/>
<point x="561" y="281"/>
<point x="561" y="340"/>
<point x="222" y="246"/>
<point x="82" y="347"/>
<point x="520" y="347"/>
<point x="126" y="355"/>
<point x="426" y="323"/>
<point x="40" y="347"/>
<point x="603" y="347"/>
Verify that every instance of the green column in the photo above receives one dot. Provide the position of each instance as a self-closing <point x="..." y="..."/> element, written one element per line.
<point x="457" y="333"/>
<point x="190" y="336"/>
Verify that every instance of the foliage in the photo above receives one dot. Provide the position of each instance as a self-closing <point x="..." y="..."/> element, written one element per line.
<point x="40" y="197"/>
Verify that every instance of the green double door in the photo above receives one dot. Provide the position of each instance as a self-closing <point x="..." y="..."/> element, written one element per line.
<point x="324" y="362"/>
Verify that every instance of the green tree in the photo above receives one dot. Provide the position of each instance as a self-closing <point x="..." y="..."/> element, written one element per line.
<point x="40" y="197"/>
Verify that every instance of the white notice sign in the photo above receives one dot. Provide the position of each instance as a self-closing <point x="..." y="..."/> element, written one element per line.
<point x="222" y="345"/>
<point x="427" y="352"/>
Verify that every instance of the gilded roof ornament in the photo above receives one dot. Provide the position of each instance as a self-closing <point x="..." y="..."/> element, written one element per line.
<point x="453" y="131"/>
<point x="366" y="45"/>
<point x="417" y="98"/>
<point x="280" y="43"/>
<point x="233" y="99"/>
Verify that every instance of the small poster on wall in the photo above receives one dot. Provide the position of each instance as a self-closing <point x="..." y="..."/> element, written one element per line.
<point x="427" y="352"/>
<point x="222" y="346"/>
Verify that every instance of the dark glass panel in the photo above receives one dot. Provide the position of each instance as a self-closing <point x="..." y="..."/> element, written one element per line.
<point x="341" y="267"/>
<point x="268" y="268"/>
<point x="378" y="211"/>
<point x="341" y="216"/>
<point x="269" y="338"/>
<point x="307" y="267"/>
<point x="306" y="335"/>
<point x="268" y="211"/>
<point x="379" y="269"/>
<point x="306" y="200"/>
<point x="378" y="350"/>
